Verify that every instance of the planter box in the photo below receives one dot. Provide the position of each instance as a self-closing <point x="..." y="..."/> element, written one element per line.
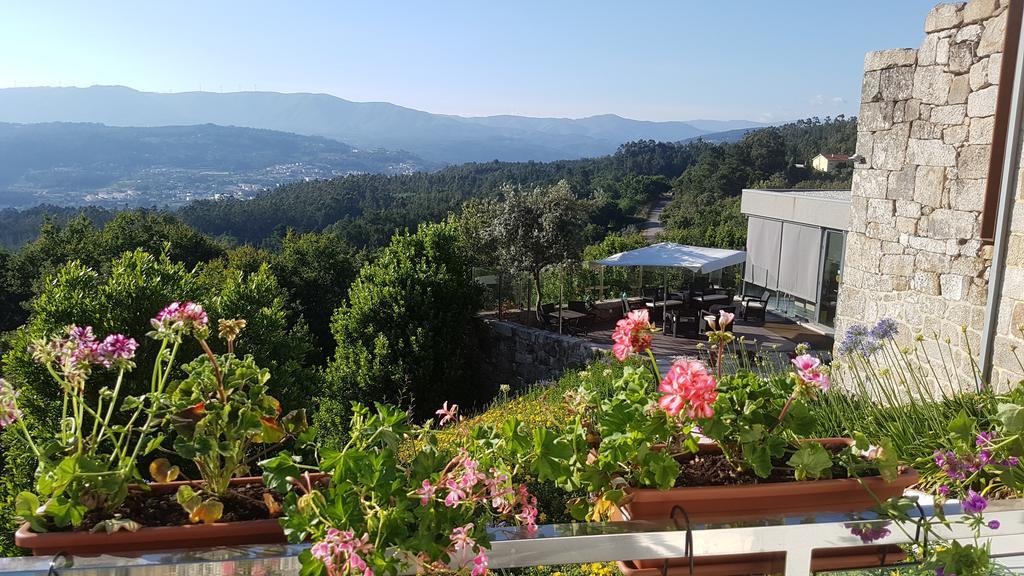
<point x="738" y="503"/>
<point x="157" y="537"/>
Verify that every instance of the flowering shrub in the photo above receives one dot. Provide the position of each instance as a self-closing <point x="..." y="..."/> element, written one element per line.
<point x="382" y="514"/>
<point x="219" y="411"/>
<point x="90" y="462"/>
<point x="633" y="434"/>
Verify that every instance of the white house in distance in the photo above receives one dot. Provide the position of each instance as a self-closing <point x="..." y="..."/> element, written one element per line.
<point x="828" y="162"/>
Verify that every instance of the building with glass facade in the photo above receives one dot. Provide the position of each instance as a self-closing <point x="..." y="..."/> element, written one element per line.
<point x="795" y="245"/>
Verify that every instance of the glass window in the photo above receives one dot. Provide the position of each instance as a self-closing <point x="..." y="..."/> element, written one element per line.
<point x="831" y="275"/>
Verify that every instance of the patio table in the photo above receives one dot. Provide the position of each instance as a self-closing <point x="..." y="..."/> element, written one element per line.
<point x="711" y="299"/>
<point x="567" y="314"/>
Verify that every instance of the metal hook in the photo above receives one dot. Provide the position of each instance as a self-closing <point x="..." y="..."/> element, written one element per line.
<point x="688" y="546"/>
<point x="65" y="562"/>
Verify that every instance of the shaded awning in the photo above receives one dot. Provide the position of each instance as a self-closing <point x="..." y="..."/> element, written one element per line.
<point x="671" y="255"/>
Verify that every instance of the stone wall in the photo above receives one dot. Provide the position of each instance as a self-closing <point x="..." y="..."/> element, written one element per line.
<point x="518" y="355"/>
<point x="925" y="130"/>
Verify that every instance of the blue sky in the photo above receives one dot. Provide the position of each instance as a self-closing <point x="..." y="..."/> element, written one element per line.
<point x="652" y="60"/>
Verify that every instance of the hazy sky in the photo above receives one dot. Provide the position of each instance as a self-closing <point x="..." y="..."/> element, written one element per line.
<point x="655" y="60"/>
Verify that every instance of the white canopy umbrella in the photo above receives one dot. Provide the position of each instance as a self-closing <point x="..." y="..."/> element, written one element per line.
<point x="698" y="259"/>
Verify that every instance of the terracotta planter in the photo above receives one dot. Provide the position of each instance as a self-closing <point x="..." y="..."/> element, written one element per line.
<point x="742" y="564"/>
<point x="724" y="504"/>
<point x="158" y="537"/>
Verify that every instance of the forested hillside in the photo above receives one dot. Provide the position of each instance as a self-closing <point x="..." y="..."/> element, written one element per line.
<point x="365" y="210"/>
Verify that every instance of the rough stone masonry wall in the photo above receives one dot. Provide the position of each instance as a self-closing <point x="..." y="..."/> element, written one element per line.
<point x="925" y="129"/>
<point x="518" y="355"/>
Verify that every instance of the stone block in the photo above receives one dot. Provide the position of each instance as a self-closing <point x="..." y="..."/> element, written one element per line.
<point x="882" y="59"/>
<point x="951" y="114"/>
<point x="875" y="116"/>
<point x="929" y="153"/>
<point x="965" y="266"/>
<point x="1015" y="253"/>
<point x="892" y="247"/>
<point x="897" y="83"/>
<point x="927" y="244"/>
<point x="925" y="130"/>
<point x="943" y="17"/>
<point x="931" y="262"/>
<point x="908" y="209"/>
<point x="942" y="50"/>
<point x="926" y="53"/>
<point x="978" y="76"/>
<point x="972" y="161"/>
<point x="893" y="264"/>
<point x="901" y="184"/>
<point x="978" y="10"/>
<point x="883" y="229"/>
<point x="954" y="287"/>
<point x="925" y="283"/>
<point x="870" y="183"/>
<point x="912" y="110"/>
<point x="981" y="130"/>
<point x="932" y="84"/>
<point x="955" y="135"/>
<point x="982" y="102"/>
<point x="928" y="185"/>
<point x="970" y="33"/>
<point x="967" y="194"/>
<point x="946" y="223"/>
<point x="959" y="89"/>
<point x="995" y="65"/>
<point x="890" y="148"/>
<point x="865" y="144"/>
<point x="871" y="88"/>
<point x="961" y="57"/>
<point x="992" y="36"/>
<point x="905" y="225"/>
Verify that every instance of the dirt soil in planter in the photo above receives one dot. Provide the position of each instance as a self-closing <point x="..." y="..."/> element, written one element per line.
<point x="715" y="470"/>
<point x="151" y="510"/>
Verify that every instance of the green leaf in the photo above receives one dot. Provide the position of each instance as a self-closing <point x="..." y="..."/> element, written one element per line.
<point x="1012" y="418"/>
<point x="277" y="471"/>
<point x="553" y="453"/>
<point x="153" y="444"/>
<point x="759" y="457"/>
<point x="962" y="427"/>
<point x="811" y="461"/>
<point x="578" y="508"/>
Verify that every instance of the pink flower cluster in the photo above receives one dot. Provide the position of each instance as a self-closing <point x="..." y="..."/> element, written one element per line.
<point x="688" y="385"/>
<point x="464" y="484"/>
<point x="632" y="334"/>
<point x="342" y="553"/>
<point x="808" y="368"/>
<point x="178" y="318"/>
<point x="80" y="350"/>
<point x="9" y="412"/>
<point x="462" y="540"/>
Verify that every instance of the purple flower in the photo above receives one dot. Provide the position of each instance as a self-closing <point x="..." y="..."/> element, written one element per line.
<point x="974" y="503"/>
<point x="885" y="329"/>
<point x="984" y="438"/>
<point x="178" y="318"/>
<point x="9" y="412"/>
<point x="993" y="525"/>
<point x="859" y="339"/>
<point x="869" y="532"/>
<point x="944" y="491"/>
<point x="1011" y="461"/>
<point x="117" y="349"/>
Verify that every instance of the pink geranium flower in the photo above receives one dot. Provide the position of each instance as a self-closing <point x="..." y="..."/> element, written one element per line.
<point x="461" y="537"/>
<point x="808" y="369"/>
<point x="426" y="492"/>
<point x="632" y="334"/>
<point x="688" y="385"/>
<point x="447" y="414"/>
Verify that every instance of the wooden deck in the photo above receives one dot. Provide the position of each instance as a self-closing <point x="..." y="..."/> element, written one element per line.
<point x="776" y="335"/>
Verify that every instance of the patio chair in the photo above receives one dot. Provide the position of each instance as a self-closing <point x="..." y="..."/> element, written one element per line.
<point x="755" y="306"/>
<point x="549" y="322"/>
<point x="578" y="306"/>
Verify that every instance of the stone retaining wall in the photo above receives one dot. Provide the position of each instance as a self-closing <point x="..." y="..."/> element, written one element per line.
<point x="925" y="128"/>
<point x="518" y="355"/>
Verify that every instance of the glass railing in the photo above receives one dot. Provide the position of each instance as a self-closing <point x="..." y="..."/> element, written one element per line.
<point x="790" y="544"/>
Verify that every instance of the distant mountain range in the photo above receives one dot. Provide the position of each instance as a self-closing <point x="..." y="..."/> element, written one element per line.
<point x="367" y="125"/>
<point x="72" y="164"/>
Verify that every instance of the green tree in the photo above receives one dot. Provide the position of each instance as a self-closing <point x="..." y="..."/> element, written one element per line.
<point x="536" y="228"/>
<point x="316" y="269"/>
<point x="406" y="334"/>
